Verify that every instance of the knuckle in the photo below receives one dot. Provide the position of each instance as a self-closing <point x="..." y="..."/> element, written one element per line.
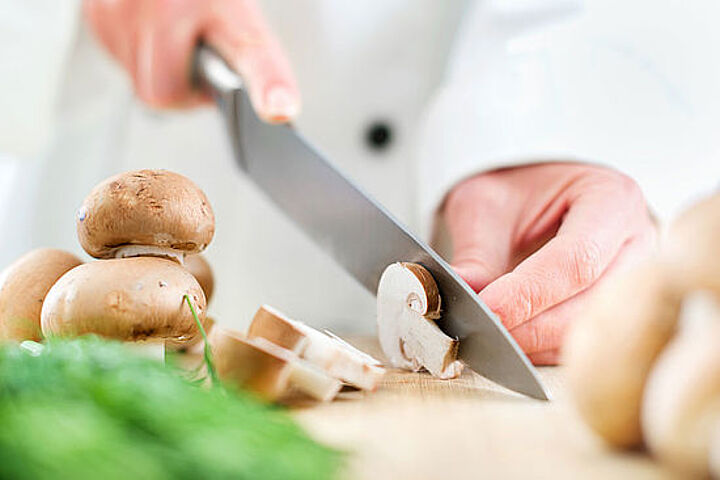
<point x="585" y="265"/>
<point x="524" y="300"/>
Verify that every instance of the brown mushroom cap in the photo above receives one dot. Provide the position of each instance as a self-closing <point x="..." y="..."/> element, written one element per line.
<point x="610" y="351"/>
<point x="200" y="269"/>
<point x="127" y="299"/>
<point x="148" y="212"/>
<point x="23" y="286"/>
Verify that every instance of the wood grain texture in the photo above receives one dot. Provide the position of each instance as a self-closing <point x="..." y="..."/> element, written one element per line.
<point x="417" y="427"/>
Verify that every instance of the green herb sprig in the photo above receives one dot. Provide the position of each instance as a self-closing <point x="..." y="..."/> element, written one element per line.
<point x="207" y="353"/>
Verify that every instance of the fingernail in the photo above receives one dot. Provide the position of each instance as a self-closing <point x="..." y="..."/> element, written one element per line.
<point x="280" y="105"/>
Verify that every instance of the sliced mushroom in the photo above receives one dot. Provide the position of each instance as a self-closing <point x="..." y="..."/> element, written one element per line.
<point x="270" y="371"/>
<point x="609" y="353"/>
<point x="23" y="286"/>
<point x="408" y="302"/>
<point x="200" y="269"/>
<point x="681" y="406"/>
<point x="133" y="299"/>
<point x="327" y="352"/>
<point x="145" y="212"/>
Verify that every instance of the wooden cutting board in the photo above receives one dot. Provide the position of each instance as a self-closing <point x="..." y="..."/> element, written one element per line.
<point x="417" y="427"/>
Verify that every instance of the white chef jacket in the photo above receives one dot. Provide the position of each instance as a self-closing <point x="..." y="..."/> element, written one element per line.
<point x="461" y="87"/>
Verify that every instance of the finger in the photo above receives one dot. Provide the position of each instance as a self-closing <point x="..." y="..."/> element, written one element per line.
<point x="103" y="16"/>
<point x="166" y="37"/>
<point x="241" y="35"/>
<point x="600" y="219"/>
<point x="480" y="224"/>
<point x="542" y="337"/>
<point x="550" y="357"/>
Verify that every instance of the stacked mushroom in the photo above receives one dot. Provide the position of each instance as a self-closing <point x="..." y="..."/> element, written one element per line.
<point x="280" y="357"/>
<point x="644" y="364"/>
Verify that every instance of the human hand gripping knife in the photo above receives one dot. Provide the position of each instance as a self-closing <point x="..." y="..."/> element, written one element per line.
<point x="354" y="229"/>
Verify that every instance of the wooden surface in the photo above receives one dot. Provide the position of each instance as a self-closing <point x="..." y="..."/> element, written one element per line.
<point x="417" y="427"/>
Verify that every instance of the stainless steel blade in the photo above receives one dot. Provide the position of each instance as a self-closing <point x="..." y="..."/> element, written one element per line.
<point x="356" y="231"/>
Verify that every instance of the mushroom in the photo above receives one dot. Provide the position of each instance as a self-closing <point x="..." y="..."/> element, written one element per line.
<point x="200" y="269"/>
<point x="23" y="286"/>
<point x="609" y="353"/>
<point x="408" y="302"/>
<point x="681" y="406"/>
<point x="145" y="212"/>
<point x="133" y="299"/>
<point x="269" y="370"/>
<point x="692" y="246"/>
<point x="324" y="350"/>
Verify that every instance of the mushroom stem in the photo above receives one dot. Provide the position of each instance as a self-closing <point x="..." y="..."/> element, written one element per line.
<point x="148" y="348"/>
<point x="313" y="382"/>
<point x="126" y="251"/>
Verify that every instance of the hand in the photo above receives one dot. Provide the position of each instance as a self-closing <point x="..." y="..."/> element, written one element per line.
<point x="154" y="41"/>
<point x="535" y="240"/>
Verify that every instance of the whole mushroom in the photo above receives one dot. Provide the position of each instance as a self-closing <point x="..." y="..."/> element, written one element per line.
<point x="133" y="299"/>
<point x="609" y="352"/>
<point x="201" y="270"/>
<point x="145" y="213"/>
<point x="23" y="287"/>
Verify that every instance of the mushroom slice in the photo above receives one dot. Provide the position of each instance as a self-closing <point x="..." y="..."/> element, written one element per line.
<point x="133" y="299"/>
<point x="23" y="287"/>
<point x="610" y="351"/>
<point x="408" y="302"/>
<point x="681" y="406"/>
<point x="270" y="371"/>
<point x="145" y="213"/>
<point x="324" y="350"/>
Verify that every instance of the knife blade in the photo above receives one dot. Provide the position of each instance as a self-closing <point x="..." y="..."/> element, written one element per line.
<point x="359" y="233"/>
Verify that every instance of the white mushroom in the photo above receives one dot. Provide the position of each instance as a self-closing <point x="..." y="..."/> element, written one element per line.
<point x="681" y="406"/>
<point x="609" y="352"/>
<point x="270" y="371"/>
<point x="134" y="299"/>
<point x="408" y="303"/>
<point x="145" y="213"/>
<point x="327" y="352"/>
<point x="23" y="287"/>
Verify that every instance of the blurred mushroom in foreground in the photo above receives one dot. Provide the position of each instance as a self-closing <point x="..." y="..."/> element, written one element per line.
<point x="681" y="406"/>
<point x="609" y="352"/>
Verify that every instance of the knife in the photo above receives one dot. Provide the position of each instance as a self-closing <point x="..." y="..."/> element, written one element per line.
<point x="359" y="233"/>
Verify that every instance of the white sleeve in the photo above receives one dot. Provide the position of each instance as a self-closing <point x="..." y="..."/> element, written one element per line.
<point x="532" y="81"/>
